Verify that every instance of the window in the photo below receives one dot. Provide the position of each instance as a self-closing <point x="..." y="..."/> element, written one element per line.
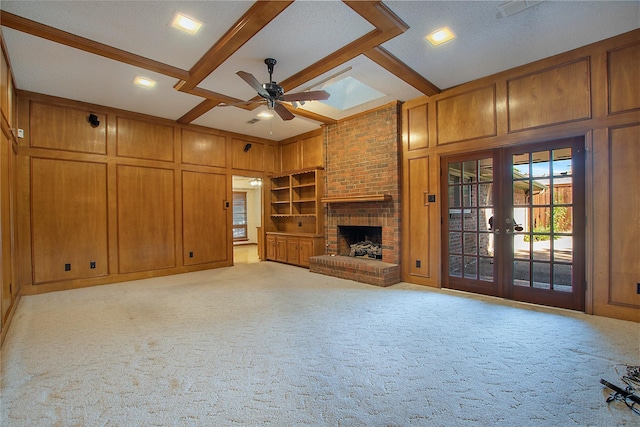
<point x="240" y="216"/>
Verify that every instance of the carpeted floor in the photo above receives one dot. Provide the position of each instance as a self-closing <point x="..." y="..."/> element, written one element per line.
<point x="266" y="344"/>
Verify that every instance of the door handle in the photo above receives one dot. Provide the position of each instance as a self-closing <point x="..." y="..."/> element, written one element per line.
<point x="496" y="231"/>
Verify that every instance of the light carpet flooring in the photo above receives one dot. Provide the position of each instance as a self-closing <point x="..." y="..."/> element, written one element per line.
<point x="266" y="344"/>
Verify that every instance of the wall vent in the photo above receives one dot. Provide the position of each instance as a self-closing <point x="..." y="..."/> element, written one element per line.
<point x="252" y="121"/>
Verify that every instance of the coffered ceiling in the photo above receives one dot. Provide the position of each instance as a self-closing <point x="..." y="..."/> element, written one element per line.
<point x="91" y="51"/>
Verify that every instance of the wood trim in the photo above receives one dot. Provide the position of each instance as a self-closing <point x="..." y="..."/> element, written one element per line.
<point x="386" y="60"/>
<point x="355" y="199"/>
<point x="311" y="115"/>
<point x="198" y="111"/>
<point x="55" y="35"/>
<point x="388" y="25"/>
<point x="256" y="18"/>
<point x="378" y="15"/>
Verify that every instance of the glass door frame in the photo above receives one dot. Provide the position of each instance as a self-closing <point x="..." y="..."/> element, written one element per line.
<point x="503" y="227"/>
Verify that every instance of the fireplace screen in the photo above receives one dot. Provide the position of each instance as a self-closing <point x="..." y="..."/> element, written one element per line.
<point x="360" y="241"/>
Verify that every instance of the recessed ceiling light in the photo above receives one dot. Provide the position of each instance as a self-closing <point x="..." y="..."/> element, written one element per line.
<point x="186" y="23"/>
<point x="265" y="115"/>
<point x="440" y="36"/>
<point x="144" y="82"/>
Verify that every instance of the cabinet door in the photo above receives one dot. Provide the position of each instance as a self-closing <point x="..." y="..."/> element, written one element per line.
<point x="271" y="248"/>
<point x="305" y="251"/>
<point x="281" y="249"/>
<point x="292" y="250"/>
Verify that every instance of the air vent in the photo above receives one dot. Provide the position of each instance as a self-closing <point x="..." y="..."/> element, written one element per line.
<point x="512" y="7"/>
<point x="252" y="121"/>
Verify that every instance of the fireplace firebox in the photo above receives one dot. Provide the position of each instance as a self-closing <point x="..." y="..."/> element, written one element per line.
<point x="360" y="241"/>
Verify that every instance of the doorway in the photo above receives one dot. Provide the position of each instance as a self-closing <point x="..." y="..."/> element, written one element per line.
<point x="247" y="218"/>
<point x="513" y="223"/>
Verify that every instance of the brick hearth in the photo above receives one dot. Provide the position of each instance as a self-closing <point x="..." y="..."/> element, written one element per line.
<point x="363" y="270"/>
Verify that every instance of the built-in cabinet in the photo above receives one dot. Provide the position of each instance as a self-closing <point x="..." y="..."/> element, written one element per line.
<point x="296" y="217"/>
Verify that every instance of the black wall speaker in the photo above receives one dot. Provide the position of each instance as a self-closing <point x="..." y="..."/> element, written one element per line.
<point x="93" y="120"/>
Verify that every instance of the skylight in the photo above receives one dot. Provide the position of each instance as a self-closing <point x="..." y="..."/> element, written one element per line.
<point x="349" y="92"/>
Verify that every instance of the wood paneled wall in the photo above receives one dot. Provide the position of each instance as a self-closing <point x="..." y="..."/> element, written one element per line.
<point x="592" y="92"/>
<point x="134" y="197"/>
<point x="302" y="152"/>
<point x="9" y="287"/>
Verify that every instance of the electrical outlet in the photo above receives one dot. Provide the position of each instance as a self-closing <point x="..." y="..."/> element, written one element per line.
<point x="299" y="223"/>
<point x="92" y="264"/>
<point x="638" y="288"/>
<point x="67" y="267"/>
<point x="418" y="263"/>
<point x="190" y="254"/>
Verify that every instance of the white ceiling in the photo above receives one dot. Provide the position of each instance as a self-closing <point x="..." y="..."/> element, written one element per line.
<point x="303" y="34"/>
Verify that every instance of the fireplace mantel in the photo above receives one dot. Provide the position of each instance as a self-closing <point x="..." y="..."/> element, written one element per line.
<point x="361" y="198"/>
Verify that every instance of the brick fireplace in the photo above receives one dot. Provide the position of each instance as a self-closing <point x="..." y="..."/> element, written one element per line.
<point x="362" y="188"/>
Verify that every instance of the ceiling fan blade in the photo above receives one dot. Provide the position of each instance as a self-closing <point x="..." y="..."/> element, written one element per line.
<point x="283" y="112"/>
<point x="254" y="83"/>
<point x="314" y="95"/>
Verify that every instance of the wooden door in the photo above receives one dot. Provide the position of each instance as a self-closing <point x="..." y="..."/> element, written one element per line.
<point x="545" y="229"/>
<point x="469" y="262"/>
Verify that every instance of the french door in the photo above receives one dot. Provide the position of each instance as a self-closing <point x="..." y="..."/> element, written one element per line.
<point x="513" y="223"/>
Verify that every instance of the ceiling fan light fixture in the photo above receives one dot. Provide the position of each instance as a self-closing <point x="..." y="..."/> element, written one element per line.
<point x="265" y="115"/>
<point x="441" y="36"/>
<point x="185" y="23"/>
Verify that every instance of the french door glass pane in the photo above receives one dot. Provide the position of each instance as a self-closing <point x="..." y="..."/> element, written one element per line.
<point x="540" y="164"/>
<point x="542" y="200"/>
<point x="455" y="265"/>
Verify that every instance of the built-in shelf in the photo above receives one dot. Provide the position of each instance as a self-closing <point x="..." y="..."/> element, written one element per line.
<point x="355" y="199"/>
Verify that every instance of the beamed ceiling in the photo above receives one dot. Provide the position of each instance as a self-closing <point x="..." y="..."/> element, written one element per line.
<point x="91" y="51"/>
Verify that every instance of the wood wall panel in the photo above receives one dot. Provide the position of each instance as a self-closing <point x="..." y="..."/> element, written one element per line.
<point x="290" y="157"/>
<point x="418" y="127"/>
<point x="66" y="128"/>
<point x="199" y="148"/>
<point x="69" y="219"/>
<point x="248" y="160"/>
<point x="312" y="153"/>
<point x="146" y="218"/>
<point x="466" y="116"/>
<point x="4" y="86"/>
<point x="556" y="95"/>
<point x="419" y="217"/>
<point x="204" y="218"/>
<point x="7" y="292"/>
<point x="624" y="75"/>
<point x="144" y="140"/>
<point x="271" y="159"/>
<point x="625" y="218"/>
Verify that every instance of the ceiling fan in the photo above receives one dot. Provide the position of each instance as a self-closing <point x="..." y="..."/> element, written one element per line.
<point x="273" y="93"/>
